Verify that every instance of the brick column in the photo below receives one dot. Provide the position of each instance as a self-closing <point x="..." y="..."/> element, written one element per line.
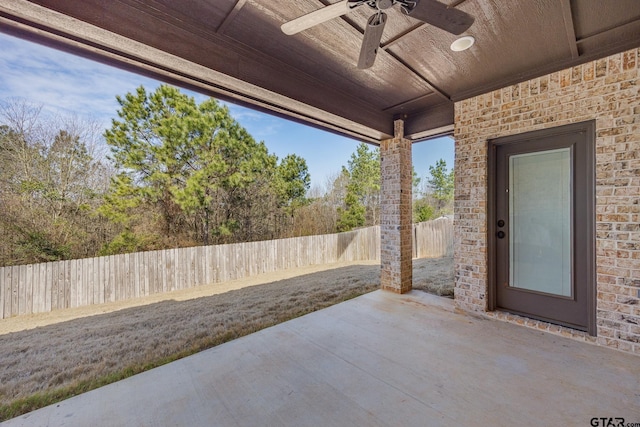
<point x="396" y="220"/>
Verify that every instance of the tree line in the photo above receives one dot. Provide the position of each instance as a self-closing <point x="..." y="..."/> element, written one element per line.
<point x="170" y="172"/>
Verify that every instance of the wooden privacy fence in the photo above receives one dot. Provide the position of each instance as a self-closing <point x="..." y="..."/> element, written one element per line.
<point x="433" y="239"/>
<point x="38" y="288"/>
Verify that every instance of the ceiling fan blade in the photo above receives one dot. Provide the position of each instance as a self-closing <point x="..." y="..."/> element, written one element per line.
<point x="454" y="21"/>
<point x="371" y="40"/>
<point x="316" y="17"/>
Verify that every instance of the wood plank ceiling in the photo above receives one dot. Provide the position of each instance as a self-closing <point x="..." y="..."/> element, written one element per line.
<point x="235" y="50"/>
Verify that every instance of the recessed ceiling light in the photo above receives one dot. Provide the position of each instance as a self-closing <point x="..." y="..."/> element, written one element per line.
<point x="463" y="43"/>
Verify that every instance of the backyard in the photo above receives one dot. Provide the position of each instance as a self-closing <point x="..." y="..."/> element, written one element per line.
<point x="49" y="357"/>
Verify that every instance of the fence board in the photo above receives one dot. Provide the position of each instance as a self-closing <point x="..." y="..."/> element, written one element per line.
<point x="87" y="276"/>
<point x="88" y="272"/>
<point x="132" y="274"/>
<point x="125" y="282"/>
<point x="15" y="297"/>
<point x="160" y="272"/>
<point x="36" y="292"/>
<point x="214" y="264"/>
<point x="207" y="265"/>
<point x="159" y="267"/>
<point x="118" y="266"/>
<point x="118" y="276"/>
<point x="2" y="295"/>
<point x="79" y="284"/>
<point x="129" y="284"/>
<point x="22" y="287"/>
<point x="200" y="266"/>
<point x="198" y="261"/>
<point x="266" y="256"/>
<point x="57" y="298"/>
<point x="44" y="289"/>
<point x="66" y="295"/>
<point x="170" y="260"/>
<point x="185" y="268"/>
<point x="109" y="295"/>
<point x="82" y="284"/>
<point x="151" y="282"/>
<point x="127" y="289"/>
<point x="174" y="262"/>
<point x="143" y="272"/>
<point x="8" y="291"/>
<point x="60" y="275"/>
<point x="188" y="268"/>
<point x="162" y="264"/>
<point x="246" y="259"/>
<point x="191" y="267"/>
<point x="155" y="278"/>
<point x="99" y="280"/>
<point x="71" y="283"/>
<point x="143" y="259"/>
<point x="33" y="292"/>
<point x="230" y="264"/>
<point x="46" y="276"/>
<point x="181" y="270"/>
<point x="135" y="274"/>
<point x="220" y="263"/>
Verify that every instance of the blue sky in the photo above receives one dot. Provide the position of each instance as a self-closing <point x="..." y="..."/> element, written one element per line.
<point x="63" y="83"/>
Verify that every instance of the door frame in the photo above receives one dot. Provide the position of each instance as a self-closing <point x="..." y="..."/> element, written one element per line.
<point x="589" y="128"/>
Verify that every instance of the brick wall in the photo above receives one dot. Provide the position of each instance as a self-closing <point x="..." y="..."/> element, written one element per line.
<point x="396" y="222"/>
<point x="607" y="90"/>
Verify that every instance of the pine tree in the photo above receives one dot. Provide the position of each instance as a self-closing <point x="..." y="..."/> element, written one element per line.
<point x="190" y="162"/>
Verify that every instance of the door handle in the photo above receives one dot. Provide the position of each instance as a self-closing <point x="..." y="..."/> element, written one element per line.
<point x="500" y="234"/>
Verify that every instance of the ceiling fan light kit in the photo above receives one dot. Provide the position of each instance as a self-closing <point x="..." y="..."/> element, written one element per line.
<point x="432" y="12"/>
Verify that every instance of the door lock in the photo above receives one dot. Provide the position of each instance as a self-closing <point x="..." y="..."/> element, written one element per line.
<point x="501" y="223"/>
<point x="500" y="234"/>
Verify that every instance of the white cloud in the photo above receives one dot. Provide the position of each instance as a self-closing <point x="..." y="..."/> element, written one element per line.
<point x="61" y="82"/>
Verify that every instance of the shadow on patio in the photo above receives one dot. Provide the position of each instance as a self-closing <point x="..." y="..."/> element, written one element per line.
<point x="377" y="360"/>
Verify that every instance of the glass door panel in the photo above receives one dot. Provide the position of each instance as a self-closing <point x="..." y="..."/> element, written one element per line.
<point x="540" y="238"/>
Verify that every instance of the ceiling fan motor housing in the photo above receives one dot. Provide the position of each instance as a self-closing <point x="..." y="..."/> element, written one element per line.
<point x="374" y="4"/>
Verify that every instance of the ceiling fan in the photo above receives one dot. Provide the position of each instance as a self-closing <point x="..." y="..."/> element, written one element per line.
<point x="432" y="12"/>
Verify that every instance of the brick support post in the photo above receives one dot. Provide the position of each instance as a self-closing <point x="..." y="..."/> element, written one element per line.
<point x="396" y="220"/>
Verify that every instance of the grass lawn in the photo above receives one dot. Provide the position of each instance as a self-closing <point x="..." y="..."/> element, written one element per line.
<point x="51" y="362"/>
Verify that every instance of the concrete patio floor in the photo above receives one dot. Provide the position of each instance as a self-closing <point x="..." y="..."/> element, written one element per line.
<point x="377" y="360"/>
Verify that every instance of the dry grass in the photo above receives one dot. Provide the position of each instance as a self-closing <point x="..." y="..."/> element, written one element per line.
<point x="43" y="365"/>
<point x="435" y="276"/>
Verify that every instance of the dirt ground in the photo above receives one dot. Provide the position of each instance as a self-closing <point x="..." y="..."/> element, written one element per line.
<point x="76" y="347"/>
